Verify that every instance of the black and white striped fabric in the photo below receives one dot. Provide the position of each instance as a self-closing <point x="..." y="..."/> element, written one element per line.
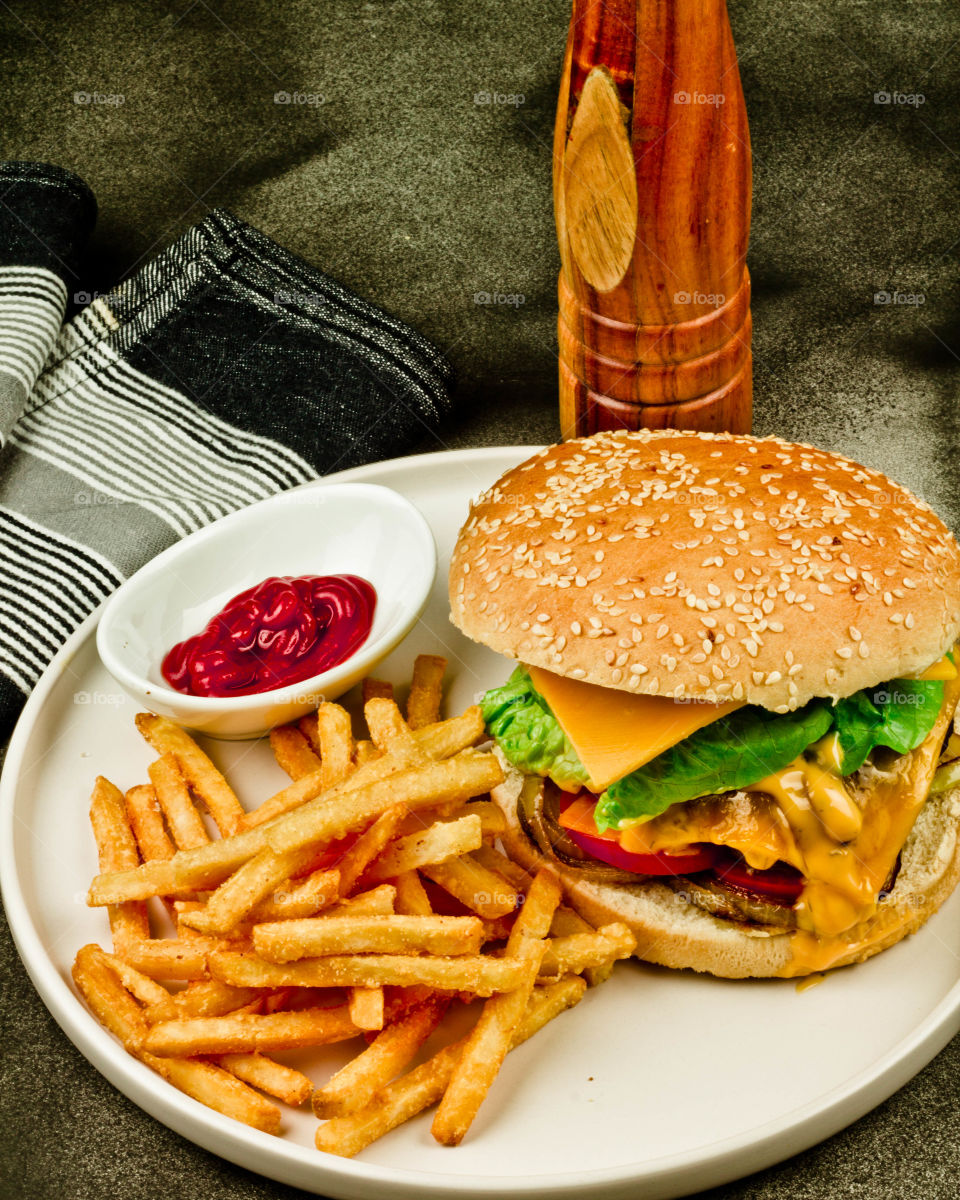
<point x="224" y="371"/>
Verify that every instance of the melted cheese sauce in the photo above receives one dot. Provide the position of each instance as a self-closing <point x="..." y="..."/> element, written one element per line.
<point x="806" y="816"/>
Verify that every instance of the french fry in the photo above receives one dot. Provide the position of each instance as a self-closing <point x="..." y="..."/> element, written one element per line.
<point x="480" y="889"/>
<point x="424" y="1085"/>
<point x="513" y="873"/>
<point x="146" y="821"/>
<point x="205" y="998"/>
<point x="479" y="975"/>
<point x="488" y="1043"/>
<point x="354" y="1086"/>
<point x="390" y="732"/>
<point x="423" y="703"/>
<point x="218" y="1089"/>
<point x="199" y="772"/>
<point x="108" y="999"/>
<point x="237" y="896"/>
<point x="144" y="990"/>
<point x="117" y="851"/>
<point x="173" y="796"/>
<point x="293" y="752"/>
<point x="436" y="843"/>
<point x="250" y="1032"/>
<point x="364" y="752"/>
<point x="468" y="774"/>
<point x="308" y="727"/>
<point x="368" y="846"/>
<point x="162" y="958"/>
<point x="299" y="792"/>
<point x="378" y="902"/>
<point x="288" y="941"/>
<point x="336" y="743"/>
<point x="276" y="1079"/>
<point x="366" y="1007"/>
<point x="578" y="951"/>
<point x="411" y="897"/>
<point x="374" y="689"/>
<point x="566" y="921"/>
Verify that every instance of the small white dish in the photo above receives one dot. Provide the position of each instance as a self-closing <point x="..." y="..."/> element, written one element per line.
<point x="321" y="529"/>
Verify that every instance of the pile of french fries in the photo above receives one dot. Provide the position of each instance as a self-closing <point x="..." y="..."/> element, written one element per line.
<point x="314" y="919"/>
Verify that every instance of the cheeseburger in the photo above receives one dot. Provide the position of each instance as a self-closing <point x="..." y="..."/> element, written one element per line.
<point x="731" y="720"/>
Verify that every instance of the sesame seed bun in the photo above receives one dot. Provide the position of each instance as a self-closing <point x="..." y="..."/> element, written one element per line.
<point x="716" y="566"/>
<point x="671" y="930"/>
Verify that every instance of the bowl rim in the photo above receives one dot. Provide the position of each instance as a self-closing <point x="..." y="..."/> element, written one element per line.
<point x="368" y="653"/>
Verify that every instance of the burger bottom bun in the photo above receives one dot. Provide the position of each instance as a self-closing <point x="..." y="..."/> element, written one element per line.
<point x="672" y="931"/>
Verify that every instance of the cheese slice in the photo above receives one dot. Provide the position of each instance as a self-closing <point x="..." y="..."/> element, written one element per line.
<point x="616" y="732"/>
<point x="944" y="669"/>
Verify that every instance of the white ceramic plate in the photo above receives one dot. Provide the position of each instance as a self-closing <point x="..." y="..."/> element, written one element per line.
<point x="657" y="1084"/>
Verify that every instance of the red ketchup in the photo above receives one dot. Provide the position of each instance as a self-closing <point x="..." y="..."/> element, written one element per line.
<point x="280" y="632"/>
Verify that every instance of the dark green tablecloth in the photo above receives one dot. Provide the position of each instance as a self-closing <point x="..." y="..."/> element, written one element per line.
<point x="387" y="168"/>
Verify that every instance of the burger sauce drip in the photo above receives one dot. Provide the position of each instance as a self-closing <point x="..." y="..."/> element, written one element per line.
<point x="279" y="632"/>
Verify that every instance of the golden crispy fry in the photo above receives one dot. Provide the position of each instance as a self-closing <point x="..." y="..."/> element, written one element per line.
<point x="368" y="846"/>
<point x="287" y="1084"/>
<point x="426" y="691"/>
<point x="365" y="752"/>
<point x="488" y="1043"/>
<point x="375" y="689"/>
<point x="513" y="873"/>
<point x="566" y="921"/>
<point x="366" y="1007"/>
<point x="287" y="799"/>
<point x="354" y="1086"/>
<point x="424" y="1085"/>
<point x="390" y="732"/>
<point x="249" y="1032"/>
<point x="480" y="975"/>
<point x="435" y="844"/>
<point x="336" y="743"/>
<point x="288" y="941"/>
<point x="117" y="852"/>
<point x="143" y="989"/>
<point x="468" y="774"/>
<point x="251" y="883"/>
<point x="146" y="821"/>
<point x="173" y="796"/>
<point x="109" y="1000"/>
<point x="411" y="896"/>
<point x="577" y="951"/>
<point x="308" y="727"/>
<point x="162" y="958"/>
<point x="199" y="772"/>
<point x="299" y="898"/>
<point x="218" y="1089"/>
<point x="378" y="902"/>
<point x="293" y="752"/>
<point x="206" y="998"/>
<point x="480" y="889"/>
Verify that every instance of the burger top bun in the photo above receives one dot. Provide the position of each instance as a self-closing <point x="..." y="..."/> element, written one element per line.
<point x="716" y="566"/>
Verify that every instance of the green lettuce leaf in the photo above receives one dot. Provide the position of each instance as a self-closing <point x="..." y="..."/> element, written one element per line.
<point x="899" y="714"/>
<point x="529" y="734"/>
<point x="733" y="752"/>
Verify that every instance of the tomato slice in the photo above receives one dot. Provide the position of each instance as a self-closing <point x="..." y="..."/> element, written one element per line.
<point x="781" y="884"/>
<point x="577" y="814"/>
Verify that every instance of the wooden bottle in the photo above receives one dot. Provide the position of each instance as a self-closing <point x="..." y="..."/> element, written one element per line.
<point x="651" y="175"/>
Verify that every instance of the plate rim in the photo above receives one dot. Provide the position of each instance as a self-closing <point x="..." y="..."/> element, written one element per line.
<point x="264" y="1154"/>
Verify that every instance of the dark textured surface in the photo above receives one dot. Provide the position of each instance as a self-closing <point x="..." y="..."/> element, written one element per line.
<point x="403" y="187"/>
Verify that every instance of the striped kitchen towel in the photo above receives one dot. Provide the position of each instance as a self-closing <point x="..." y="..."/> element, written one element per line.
<point x="225" y="370"/>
